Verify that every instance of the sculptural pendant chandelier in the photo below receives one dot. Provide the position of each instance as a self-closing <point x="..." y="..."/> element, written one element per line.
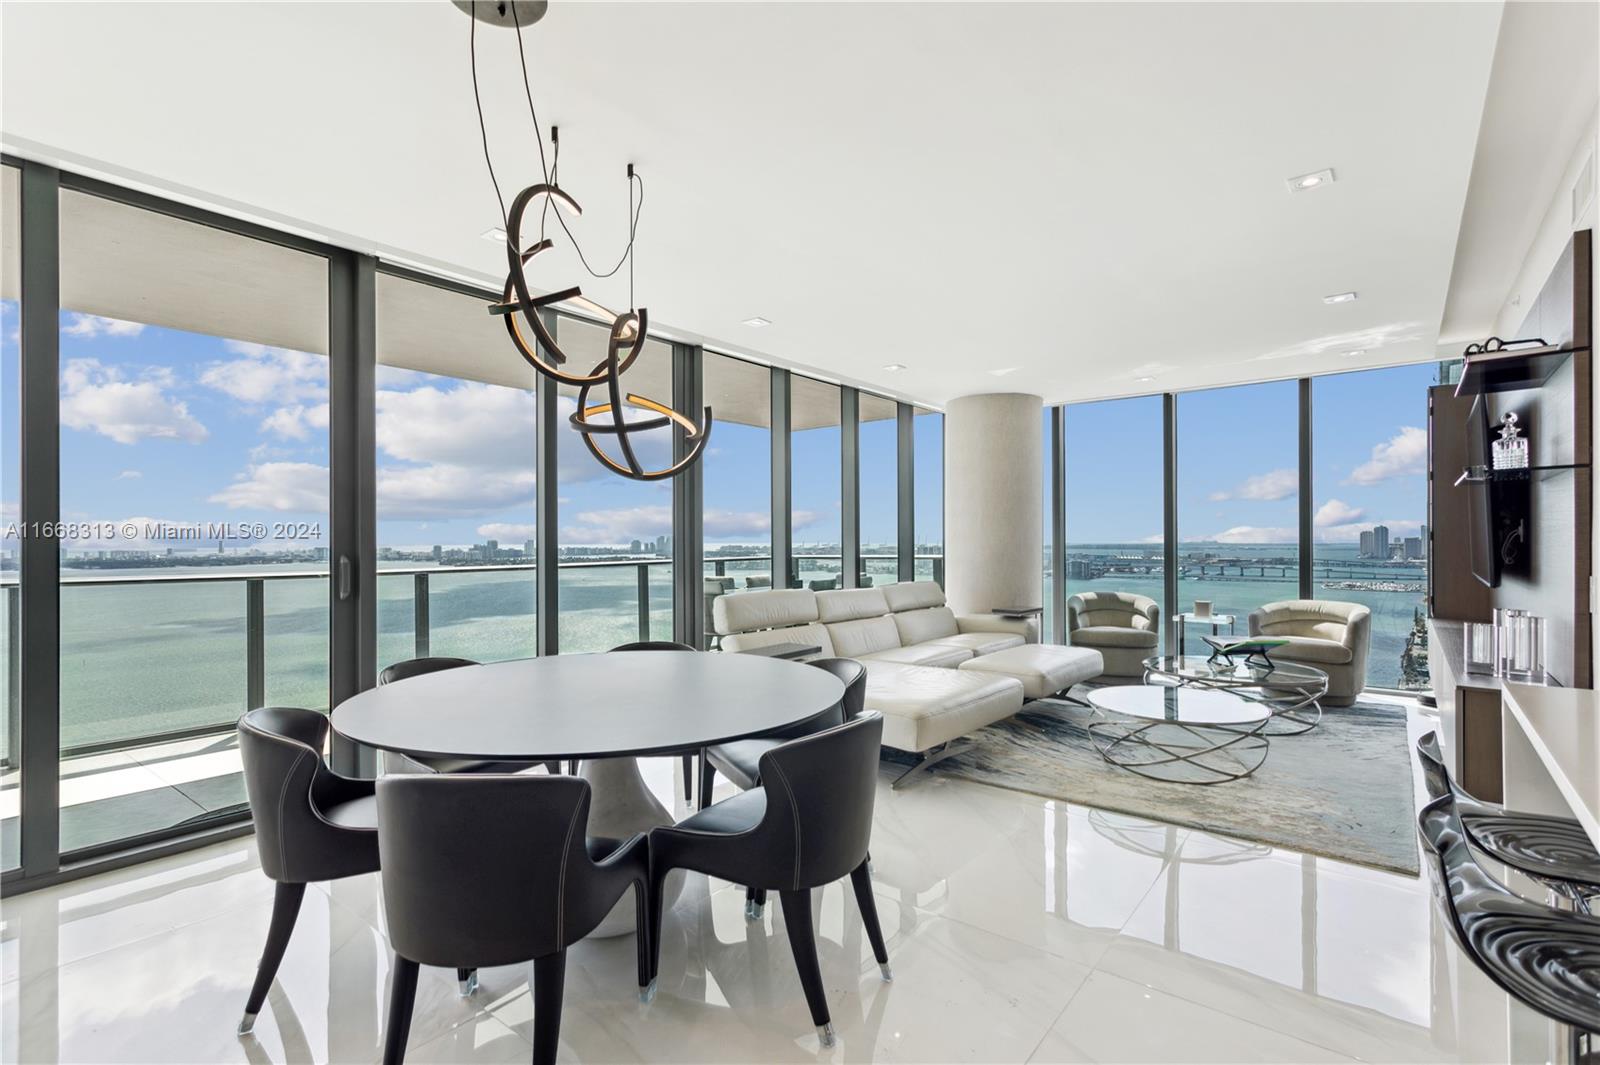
<point x="607" y="417"/>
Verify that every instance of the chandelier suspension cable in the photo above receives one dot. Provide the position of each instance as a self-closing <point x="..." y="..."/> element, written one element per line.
<point x="549" y="171"/>
<point x="483" y="130"/>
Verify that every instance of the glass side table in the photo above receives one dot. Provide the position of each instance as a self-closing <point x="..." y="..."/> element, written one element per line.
<point x="1216" y="621"/>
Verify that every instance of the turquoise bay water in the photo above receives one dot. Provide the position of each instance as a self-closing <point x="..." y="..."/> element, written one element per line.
<point x="1392" y="610"/>
<point x="143" y="659"/>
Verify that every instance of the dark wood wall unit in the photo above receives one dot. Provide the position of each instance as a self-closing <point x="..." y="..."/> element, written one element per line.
<point x="1454" y="594"/>
<point x="1558" y="417"/>
<point x="1480" y="735"/>
<point x="1469" y="711"/>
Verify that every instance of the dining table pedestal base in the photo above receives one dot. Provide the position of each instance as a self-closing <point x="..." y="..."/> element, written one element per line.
<point x="620" y="808"/>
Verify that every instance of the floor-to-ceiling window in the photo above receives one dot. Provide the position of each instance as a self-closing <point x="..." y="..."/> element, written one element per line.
<point x="927" y="433"/>
<point x="457" y="442"/>
<point x="814" y="472"/>
<point x="10" y="494"/>
<point x="1048" y="471"/>
<point x="194" y="488"/>
<point x="880" y="489"/>
<point x="615" y="532"/>
<point x="736" y="472"/>
<point x="1113" y="492"/>
<point x="1238" y="498"/>
<point x="1370" y="491"/>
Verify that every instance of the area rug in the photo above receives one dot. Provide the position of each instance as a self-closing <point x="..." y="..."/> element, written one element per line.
<point x="1342" y="790"/>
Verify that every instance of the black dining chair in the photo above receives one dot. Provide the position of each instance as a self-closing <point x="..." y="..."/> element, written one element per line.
<point x="666" y="645"/>
<point x="537" y="884"/>
<point x="311" y="823"/>
<point x="740" y="761"/>
<point x="1555" y="851"/>
<point x="807" y="825"/>
<point x="417" y="667"/>
<point x="1545" y="958"/>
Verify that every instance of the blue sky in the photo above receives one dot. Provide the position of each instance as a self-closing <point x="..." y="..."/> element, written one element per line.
<point x="164" y="425"/>
<point x="1238" y="461"/>
<point x="167" y="425"/>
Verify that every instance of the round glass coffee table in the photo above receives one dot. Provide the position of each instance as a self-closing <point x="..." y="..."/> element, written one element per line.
<point x="1289" y="691"/>
<point x="1179" y="734"/>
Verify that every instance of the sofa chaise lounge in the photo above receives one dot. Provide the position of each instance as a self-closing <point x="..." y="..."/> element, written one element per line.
<point x="935" y="676"/>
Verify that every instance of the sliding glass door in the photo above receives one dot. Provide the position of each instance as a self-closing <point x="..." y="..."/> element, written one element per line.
<point x="616" y="533"/>
<point x="456" y="445"/>
<point x="194" y="501"/>
<point x="10" y="540"/>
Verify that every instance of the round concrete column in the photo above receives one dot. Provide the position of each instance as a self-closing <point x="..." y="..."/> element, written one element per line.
<point x="994" y="508"/>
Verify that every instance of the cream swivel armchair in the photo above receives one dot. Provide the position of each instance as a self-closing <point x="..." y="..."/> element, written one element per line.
<point x="1326" y="635"/>
<point x="1122" y="626"/>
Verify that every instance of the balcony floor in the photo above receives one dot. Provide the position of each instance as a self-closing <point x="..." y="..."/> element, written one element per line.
<point x="121" y="794"/>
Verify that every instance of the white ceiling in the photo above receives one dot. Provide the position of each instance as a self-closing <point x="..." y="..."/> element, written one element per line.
<point x="1085" y="194"/>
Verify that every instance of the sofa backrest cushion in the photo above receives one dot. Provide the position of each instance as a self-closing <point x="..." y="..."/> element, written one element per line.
<point x="850" y="604"/>
<point x="748" y="611"/>
<point x="852" y="639"/>
<point x="930" y="623"/>
<point x="812" y="635"/>
<point x="913" y="595"/>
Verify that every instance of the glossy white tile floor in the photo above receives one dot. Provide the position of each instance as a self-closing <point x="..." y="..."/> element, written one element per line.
<point x="1020" y="929"/>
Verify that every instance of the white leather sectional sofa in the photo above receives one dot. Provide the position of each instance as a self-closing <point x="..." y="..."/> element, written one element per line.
<point x="935" y="676"/>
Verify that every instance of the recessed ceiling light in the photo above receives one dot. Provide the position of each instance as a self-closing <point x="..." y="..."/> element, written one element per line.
<point x="494" y="233"/>
<point x="1340" y="297"/>
<point x="757" y="322"/>
<point x="1143" y="380"/>
<point x="1354" y="354"/>
<point x="895" y="367"/>
<point x="1314" y="180"/>
<point x="1003" y="371"/>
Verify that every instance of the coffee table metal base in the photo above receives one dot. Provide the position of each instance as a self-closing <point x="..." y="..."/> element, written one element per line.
<point x="1160" y="750"/>
<point x="1179" y="734"/>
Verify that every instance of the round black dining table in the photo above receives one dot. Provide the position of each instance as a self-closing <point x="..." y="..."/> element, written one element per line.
<point x="605" y="710"/>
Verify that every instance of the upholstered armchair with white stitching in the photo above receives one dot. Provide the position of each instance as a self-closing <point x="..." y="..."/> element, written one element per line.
<point x="1122" y="626"/>
<point x="1331" y="636"/>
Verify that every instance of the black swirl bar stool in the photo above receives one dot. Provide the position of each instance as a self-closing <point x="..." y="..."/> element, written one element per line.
<point x="1547" y="959"/>
<point x="1556" y="851"/>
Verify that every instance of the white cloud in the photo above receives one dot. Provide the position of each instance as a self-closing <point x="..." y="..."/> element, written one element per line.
<point x="507" y="531"/>
<point x="733" y="524"/>
<point x="1337" y="512"/>
<point x="618" y="526"/>
<point x="470" y="424"/>
<point x="1266" y="487"/>
<point x="1402" y="455"/>
<point x="296" y="487"/>
<point x="1257" y="534"/>
<point x="98" y="399"/>
<point x="440" y="490"/>
<point x="129" y="475"/>
<point x="296" y="422"/>
<point x="89" y="326"/>
<point x="265" y="374"/>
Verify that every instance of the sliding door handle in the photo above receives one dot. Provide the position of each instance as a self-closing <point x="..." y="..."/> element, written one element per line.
<point x="346" y="577"/>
